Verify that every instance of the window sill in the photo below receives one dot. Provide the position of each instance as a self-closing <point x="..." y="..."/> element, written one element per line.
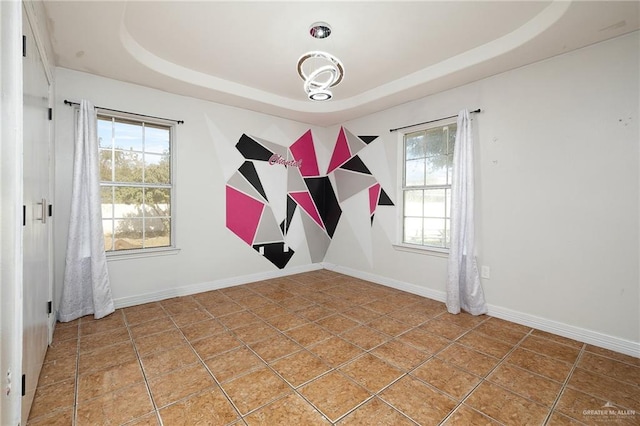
<point x="428" y="251"/>
<point x="138" y="254"/>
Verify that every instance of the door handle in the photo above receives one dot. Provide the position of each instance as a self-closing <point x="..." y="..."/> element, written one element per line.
<point x="43" y="204"/>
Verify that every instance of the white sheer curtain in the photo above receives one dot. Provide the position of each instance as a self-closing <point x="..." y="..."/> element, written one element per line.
<point x="464" y="290"/>
<point x="86" y="289"/>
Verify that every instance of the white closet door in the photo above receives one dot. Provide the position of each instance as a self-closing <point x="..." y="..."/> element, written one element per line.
<point x="37" y="223"/>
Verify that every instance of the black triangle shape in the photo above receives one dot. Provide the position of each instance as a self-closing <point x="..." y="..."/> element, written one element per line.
<point x="356" y="165"/>
<point x="248" y="170"/>
<point x="252" y="150"/>
<point x="324" y="198"/>
<point x="383" y="199"/>
<point x="368" y="139"/>
<point x="291" y="209"/>
<point x="274" y="252"/>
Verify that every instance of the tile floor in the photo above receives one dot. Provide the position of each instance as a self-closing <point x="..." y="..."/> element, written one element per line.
<point x="322" y="348"/>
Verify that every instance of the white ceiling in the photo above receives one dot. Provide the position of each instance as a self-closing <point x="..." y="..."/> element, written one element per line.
<point x="245" y="53"/>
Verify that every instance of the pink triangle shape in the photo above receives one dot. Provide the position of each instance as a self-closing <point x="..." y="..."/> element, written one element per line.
<point x="304" y="151"/>
<point x="304" y="200"/>
<point x="243" y="214"/>
<point x="374" y="193"/>
<point x="341" y="153"/>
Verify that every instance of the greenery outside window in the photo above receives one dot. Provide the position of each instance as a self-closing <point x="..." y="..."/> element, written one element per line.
<point x="136" y="183"/>
<point x="426" y="186"/>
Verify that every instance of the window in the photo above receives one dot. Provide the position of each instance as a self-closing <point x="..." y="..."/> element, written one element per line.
<point x="136" y="183"/>
<point x="426" y="186"/>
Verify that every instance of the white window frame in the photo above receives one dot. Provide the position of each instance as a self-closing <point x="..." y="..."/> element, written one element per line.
<point x="151" y="251"/>
<point x="401" y="163"/>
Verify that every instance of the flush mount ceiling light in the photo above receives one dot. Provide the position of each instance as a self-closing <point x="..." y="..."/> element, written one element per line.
<point x="320" y="70"/>
<point x="320" y="30"/>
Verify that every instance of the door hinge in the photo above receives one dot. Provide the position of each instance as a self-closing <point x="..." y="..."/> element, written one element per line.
<point x="24" y="384"/>
<point x="50" y="114"/>
<point x="50" y="210"/>
<point x="24" y="46"/>
<point x="24" y="215"/>
<point x="49" y="307"/>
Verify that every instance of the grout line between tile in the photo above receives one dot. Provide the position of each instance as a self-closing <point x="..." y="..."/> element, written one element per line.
<point x="237" y="410"/>
<point x="566" y="382"/>
<point x="74" y="420"/>
<point x="483" y="378"/>
<point x="144" y="374"/>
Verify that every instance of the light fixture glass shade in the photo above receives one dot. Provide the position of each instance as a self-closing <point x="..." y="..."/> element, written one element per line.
<point x="318" y="80"/>
<point x="320" y="30"/>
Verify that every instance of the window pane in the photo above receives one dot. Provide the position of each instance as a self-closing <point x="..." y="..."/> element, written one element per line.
<point x="449" y="169"/>
<point x="453" y="128"/>
<point x="107" y="227"/>
<point x="135" y="157"/>
<point x="156" y="140"/>
<point x="128" y="202"/>
<point x="415" y="146"/>
<point x="157" y="168"/>
<point x="158" y="201"/>
<point x="128" y="234"/>
<point x="104" y="133"/>
<point x="412" y="230"/>
<point x="414" y="170"/>
<point x="434" y="203"/>
<point x="157" y="232"/>
<point x="413" y="201"/>
<point x="436" y="171"/>
<point x="105" y="158"/>
<point x="128" y="136"/>
<point x="434" y="232"/>
<point x="448" y="209"/>
<point x="106" y="196"/>
<point x="128" y="166"/>
<point x="436" y="142"/>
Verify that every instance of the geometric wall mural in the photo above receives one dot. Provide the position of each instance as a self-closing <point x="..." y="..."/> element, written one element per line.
<point x="308" y="200"/>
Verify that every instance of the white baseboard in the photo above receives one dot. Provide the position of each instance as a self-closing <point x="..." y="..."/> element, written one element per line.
<point x="440" y="296"/>
<point x="595" y="338"/>
<point x="125" y="302"/>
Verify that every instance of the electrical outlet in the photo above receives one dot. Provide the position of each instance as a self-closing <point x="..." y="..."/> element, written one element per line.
<point x="485" y="272"/>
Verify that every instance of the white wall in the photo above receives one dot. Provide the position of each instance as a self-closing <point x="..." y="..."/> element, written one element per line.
<point x="209" y="253"/>
<point x="557" y="195"/>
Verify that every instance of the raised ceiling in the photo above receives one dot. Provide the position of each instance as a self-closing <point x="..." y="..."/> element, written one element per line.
<point x="245" y="53"/>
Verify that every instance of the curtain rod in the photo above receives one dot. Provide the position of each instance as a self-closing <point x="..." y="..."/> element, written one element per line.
<point x="70" y="103"/>
<point x="432" y="121"/>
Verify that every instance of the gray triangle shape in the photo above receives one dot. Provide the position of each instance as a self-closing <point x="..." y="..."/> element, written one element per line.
<point x="317" y="239"/>
<point x="350" y="183"/>
<point x="294" y="180"/>
<point x="238" y="182"/>
<point x="273" y="147"/>
<point x="355" y="143"/>
<point x="268" y="229"/>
